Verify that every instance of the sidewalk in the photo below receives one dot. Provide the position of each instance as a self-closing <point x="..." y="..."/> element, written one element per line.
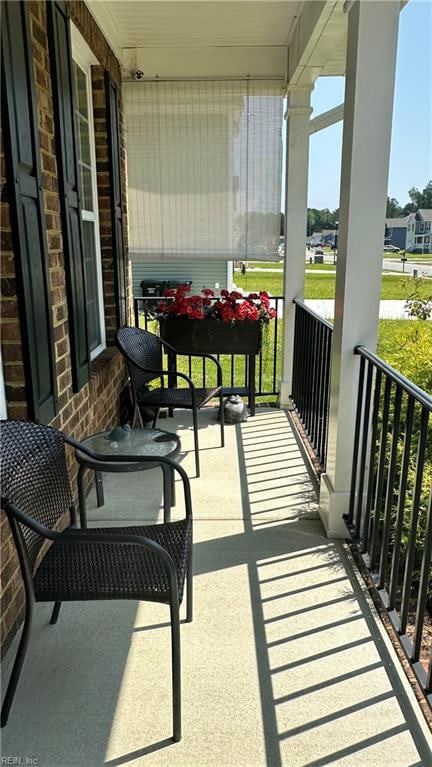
<point x="389" y="310"/>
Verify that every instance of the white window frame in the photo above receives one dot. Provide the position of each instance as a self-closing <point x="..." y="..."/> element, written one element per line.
<point x="83" y="56"/>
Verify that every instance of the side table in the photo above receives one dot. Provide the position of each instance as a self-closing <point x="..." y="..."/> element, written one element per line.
<point x="138" y="442"/>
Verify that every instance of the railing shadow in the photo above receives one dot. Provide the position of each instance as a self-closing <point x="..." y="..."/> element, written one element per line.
<point x="321" y="660"/>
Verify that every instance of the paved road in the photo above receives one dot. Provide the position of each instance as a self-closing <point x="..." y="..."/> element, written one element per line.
<point x="394" y="265"/>
<point x="423" y="270"/>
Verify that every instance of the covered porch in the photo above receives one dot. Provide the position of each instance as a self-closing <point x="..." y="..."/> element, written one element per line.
<point x="284" y="663"/>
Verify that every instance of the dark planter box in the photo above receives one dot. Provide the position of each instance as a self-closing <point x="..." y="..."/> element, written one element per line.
<point x="211" y="336"/>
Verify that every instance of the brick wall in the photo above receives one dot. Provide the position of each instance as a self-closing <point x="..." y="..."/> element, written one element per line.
<point x="95" y="407"/>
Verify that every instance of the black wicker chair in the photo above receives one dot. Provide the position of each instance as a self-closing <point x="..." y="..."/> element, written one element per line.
<point x="144" y="356"/>
<point x="150" y="563"/>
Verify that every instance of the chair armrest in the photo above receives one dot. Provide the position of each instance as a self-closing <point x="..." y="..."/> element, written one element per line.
<point x="211" y="357"/>
<point x="153" y="459"/>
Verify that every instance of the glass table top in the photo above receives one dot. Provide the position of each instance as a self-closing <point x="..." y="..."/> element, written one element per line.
<point x="136" y="442"/>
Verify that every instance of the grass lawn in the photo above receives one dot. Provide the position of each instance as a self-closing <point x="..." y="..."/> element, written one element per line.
<point x="320" y="267"/>
<point x="323" y="285"/>
<point x="263" y="265"/>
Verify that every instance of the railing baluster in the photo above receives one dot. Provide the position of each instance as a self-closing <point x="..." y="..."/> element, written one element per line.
<point x="356" y="442"/>
<point x="428" y="689"/>
<point x="409" y="563"/>
<point x="326" y="403"/>
<point x="367" y="516"/>
<point x="425" y="578"/>
<point x="397" y="535"/>
<point x="376" y="521"/>
<point x="275" y="345"/>
<point x="390" y="489"/>
<point x="315" y="374"/>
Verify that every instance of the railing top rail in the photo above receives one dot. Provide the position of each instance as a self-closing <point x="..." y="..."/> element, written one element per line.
<point x="421" y="396"/>
<point x="313" y="314"/>
<point x="153" y="296"/>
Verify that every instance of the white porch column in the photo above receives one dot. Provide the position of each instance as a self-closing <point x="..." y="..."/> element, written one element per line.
<point x="296" y="184"/>
<point x="370" y="75"/>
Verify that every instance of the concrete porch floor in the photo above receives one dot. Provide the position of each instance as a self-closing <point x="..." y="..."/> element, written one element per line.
<point x="284" y="664"/>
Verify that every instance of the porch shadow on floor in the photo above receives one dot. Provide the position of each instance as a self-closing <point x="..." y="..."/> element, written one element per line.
<point x="284" y="664"/>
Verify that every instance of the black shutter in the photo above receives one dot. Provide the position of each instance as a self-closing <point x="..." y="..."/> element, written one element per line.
<point x="61" y="71"/>
<point x="28" y="218"/>
<point x="116" y="199"/>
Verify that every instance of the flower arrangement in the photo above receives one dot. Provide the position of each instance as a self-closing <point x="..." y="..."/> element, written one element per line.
<point x="230" y="306"/>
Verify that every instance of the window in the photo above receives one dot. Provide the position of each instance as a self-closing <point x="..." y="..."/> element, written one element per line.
<point x="83" y="103"/>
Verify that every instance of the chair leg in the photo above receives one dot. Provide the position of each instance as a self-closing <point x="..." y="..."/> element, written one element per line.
<point x="195" y="428"/>
<point x="81" y="496"/>
<point x="222" y="419"/>
<point x="18" y="663"/>
<point x="166" y="475"/>
<point x="99" y="488"/>
<point x="173" y="488"/>
<point x="189" y="590"/>
<point x="55" y="613"/>
<point x="176" y="670"/>
<point x="155" y="418"/>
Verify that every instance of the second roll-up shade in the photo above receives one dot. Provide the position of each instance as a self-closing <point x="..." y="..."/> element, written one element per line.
<point x="204" y="169"/>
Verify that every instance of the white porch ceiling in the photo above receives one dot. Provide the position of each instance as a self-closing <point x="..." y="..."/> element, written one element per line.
<point x="205" y="38"/>
<point x="200" y="23"/>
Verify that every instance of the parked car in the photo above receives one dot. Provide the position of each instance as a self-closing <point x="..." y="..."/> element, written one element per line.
<point x="391" y="249"/>
<point x="319" y="252"/>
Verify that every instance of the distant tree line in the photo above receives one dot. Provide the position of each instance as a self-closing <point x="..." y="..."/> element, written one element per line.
<point x="418" y="200"/>
<point x="317" y="220"/>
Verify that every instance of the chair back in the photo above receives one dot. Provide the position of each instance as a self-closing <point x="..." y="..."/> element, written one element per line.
<point x="34" y="478"/>
<point x="140" y="347"/>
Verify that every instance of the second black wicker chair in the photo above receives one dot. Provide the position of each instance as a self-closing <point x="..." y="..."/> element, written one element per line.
<point x="144" y="356"/>
<point x="150" y="563"/>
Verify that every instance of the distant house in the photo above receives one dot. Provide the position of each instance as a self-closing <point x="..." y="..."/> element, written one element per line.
<point x="328" y="237"/>
<point x="423" y="232"/>
<point x="315" y="238"/>
<point x="410" y="237"/>
<point x="396" y="232"/>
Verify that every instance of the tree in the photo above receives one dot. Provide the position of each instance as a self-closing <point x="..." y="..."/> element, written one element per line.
<point x="419" y="199"/>
<point x="394" y="210"/>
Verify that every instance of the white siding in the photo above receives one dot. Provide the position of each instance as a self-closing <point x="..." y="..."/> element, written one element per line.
<point x="203" y="274"/>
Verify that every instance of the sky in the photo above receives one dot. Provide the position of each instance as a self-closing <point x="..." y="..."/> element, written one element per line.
<point x="411" y="147"/>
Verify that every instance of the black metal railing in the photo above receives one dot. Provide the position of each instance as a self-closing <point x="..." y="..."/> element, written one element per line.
<point x="311" y="376"/>
<point x="234" y="366"/>
<point x="390" y="515"/>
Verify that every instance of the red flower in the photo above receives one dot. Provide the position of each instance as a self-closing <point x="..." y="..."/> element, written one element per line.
<point x="228" y="307"/>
